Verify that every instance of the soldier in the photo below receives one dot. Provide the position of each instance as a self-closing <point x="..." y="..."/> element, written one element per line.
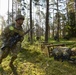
<point x="8" y="32"/>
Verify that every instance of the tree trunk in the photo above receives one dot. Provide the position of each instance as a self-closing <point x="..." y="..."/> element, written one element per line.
<point x="31" y="38"/>
<point x="57" y="22"/>
<point x="47" y="21"/>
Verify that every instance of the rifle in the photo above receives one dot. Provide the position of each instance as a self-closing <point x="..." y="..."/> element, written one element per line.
<point x="13" y="40"/>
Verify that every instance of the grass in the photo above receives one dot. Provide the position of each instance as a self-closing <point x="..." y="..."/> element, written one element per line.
<point x="32" y="61"/>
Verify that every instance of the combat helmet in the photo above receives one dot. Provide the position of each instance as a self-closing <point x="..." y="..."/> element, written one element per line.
<point x="19" y="17"/>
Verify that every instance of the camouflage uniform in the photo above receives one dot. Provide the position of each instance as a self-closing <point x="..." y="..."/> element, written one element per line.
<point x="8" y="32"/>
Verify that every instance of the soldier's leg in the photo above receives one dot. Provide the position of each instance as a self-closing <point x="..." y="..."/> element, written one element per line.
<point x="12" y="60"/>
<point x="3" y="54"/>
<point x="16" y="49"/>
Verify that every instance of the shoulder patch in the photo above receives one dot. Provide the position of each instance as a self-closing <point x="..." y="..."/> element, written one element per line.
<point x="11" y="27"/>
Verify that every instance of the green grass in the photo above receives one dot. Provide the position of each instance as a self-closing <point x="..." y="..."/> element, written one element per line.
<point x="32" y="61"/>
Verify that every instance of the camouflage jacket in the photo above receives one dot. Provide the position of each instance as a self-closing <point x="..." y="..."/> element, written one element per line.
<point x="9" y="31"/>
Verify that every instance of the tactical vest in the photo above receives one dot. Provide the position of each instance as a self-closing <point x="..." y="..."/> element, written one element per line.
<point x="10" y="30"/>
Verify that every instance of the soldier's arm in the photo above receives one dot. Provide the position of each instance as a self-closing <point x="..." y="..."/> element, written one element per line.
<point x="5" y="34"/>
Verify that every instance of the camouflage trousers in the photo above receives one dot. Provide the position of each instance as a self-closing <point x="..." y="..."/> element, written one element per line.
<point x="10" y="51"/>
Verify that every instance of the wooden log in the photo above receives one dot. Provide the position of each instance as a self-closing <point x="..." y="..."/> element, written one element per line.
<point x="51" y="47"/>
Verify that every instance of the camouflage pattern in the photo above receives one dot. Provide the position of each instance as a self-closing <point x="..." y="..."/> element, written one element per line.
<point x="19" y="17"/>
<point x="8" y="32"/>
<point x="63" y="53"/>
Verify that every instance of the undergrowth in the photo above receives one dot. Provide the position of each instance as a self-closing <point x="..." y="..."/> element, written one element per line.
<point x="32" y="61"/>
